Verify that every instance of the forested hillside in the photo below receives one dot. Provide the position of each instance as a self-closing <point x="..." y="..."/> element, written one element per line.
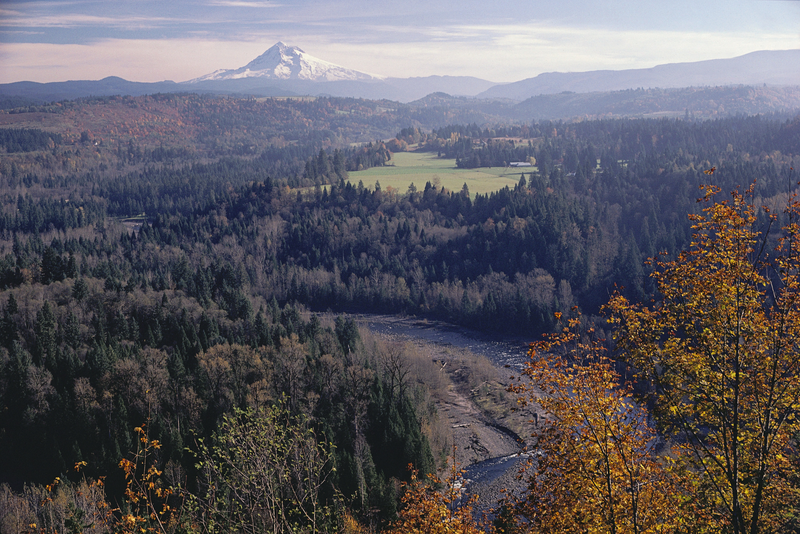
<point x="162" y="260"/>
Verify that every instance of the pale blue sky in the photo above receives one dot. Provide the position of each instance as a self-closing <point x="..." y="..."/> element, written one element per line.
<point x="499" y="40"/>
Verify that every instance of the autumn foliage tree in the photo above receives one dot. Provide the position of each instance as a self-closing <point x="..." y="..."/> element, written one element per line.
<point x="596" y="468"/>
<point x="147" y="505"/>
<point x="720" y="349"/>
<point x="436" y="505"/>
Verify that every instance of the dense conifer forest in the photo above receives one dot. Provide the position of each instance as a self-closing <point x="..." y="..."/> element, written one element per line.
<point x="165" y="269"/>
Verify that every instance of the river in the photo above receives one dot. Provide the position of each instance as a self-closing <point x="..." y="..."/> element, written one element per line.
<point x="487" y="477"/>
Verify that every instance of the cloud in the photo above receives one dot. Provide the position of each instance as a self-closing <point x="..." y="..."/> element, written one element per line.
<point x="500" y="53"/>
<point x="183" y="39"/>
<point x="509" y="53"/>
<point x="137" y="60"/>
<point x="57" y="4"/>
<point x="243" y="3"/>
<point x="77" y="20"/>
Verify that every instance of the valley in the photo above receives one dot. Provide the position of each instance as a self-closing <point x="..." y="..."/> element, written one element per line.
<point x="350" y="267"/>
<point x="189" y="267"/>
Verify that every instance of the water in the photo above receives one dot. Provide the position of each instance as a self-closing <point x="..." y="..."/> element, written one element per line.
<point x="489" y="470"/>
<point x="480" y="476"/>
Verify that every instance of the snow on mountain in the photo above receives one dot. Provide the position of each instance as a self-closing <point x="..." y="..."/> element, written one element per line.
<point x="284" y="62"/>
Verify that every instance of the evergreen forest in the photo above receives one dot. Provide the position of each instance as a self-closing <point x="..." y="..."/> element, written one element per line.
<point x="177" y="274"/>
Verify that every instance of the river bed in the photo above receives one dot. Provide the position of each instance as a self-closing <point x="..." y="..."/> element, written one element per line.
<point x="501" y="351"/>
<point x="487" y="477"/>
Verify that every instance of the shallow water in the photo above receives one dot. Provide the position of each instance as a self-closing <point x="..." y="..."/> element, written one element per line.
<point x="480" y="477"/>
<point x="489" y="470"/>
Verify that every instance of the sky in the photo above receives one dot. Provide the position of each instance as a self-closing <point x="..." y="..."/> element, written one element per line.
<point x="497" y="40"/>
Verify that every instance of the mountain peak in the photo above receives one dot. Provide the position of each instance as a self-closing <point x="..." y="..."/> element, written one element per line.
<point x="285" y="62"/>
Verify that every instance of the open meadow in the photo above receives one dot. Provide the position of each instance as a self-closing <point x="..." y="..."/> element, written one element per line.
<point x="419" y="168"/>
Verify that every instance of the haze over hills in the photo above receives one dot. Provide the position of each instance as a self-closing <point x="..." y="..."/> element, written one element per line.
<point x="772" y="67"/>
<point x="285" y="70"/>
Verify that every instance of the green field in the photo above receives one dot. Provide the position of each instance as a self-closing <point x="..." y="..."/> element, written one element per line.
<point x="422" y="167"/>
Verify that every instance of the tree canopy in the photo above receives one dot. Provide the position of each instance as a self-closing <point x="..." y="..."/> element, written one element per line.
<point x="720" y="350"/>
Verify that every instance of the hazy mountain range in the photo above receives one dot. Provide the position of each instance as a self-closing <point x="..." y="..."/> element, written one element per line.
<point x="285" y="70"/>
<point x="774" y="67"/>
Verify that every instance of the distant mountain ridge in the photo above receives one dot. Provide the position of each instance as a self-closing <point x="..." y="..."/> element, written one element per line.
<point x="773" y="67"/>
<point x="284" y="70"/>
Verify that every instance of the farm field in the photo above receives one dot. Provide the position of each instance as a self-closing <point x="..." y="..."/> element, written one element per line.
<point x="422" y="167"/>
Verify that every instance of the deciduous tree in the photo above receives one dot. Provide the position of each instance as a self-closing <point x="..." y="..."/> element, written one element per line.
<point x="263" y="472"/>
<point x="431" y="510"/>
<point x="595" y="465"/>
<point x="720" y="348"/>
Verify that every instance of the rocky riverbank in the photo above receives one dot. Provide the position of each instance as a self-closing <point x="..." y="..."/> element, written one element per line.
<point x="489" y="432"/>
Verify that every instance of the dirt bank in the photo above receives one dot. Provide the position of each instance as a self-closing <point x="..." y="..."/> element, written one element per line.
<point x="485" y="424"/>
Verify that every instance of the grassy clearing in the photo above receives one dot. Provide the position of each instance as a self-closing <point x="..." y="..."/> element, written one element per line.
<point x="422" y="167"/>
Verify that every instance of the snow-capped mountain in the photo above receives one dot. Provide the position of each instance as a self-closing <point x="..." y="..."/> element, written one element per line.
<point x="284" y="62"/>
